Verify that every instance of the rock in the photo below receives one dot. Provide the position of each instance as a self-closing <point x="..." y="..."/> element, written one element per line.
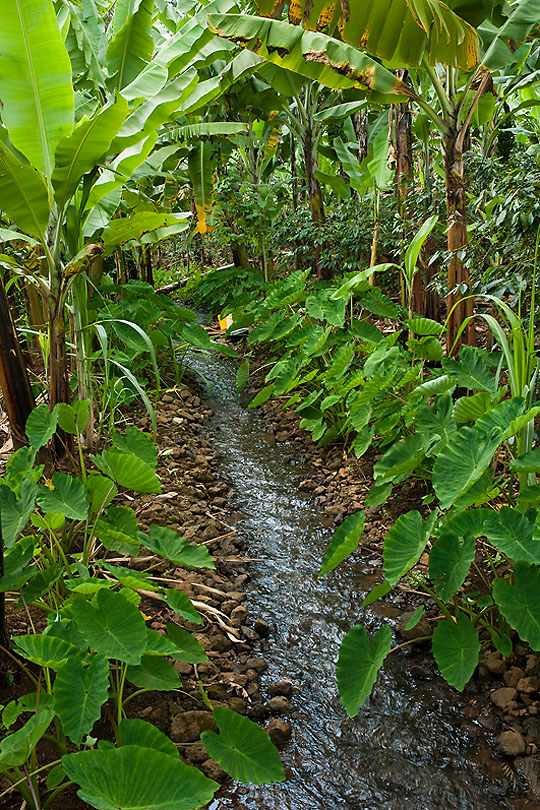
<point x="279" y="731"/>
<point x="282" y="436"/>
<point x="258" y="664"/>
<point x="182" y="668"/>
<point x="495" y="664"/>
<point x="423" y="627"/>
<point x="213" y="771"/>
<point x="529" y="685"/>
<point x="280" y="688"/>
<point x="238" y="705"/>
<point x="188" y="726"/>
<point x="503" y="696"/>
<point x="512" y="676"/>
<point x="261" y="627"/>
<point x="196" y="753"/>
<point x="511" y="743"/>
<point x="258" y="711"/>
<point x="238" y="616"/>
<point x="279" y="704"/>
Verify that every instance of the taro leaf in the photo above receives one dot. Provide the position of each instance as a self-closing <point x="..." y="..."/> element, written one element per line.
<point x="168" y="544"/>
<point x="67" y="497"/>
<point x="263" y="395"/>
<point x="100" y="491"/>
<point x="41" y="425"/>
<point x="181" y="604"/>
<point x="158" y="643"/>
<point x="79" y="694"/>
<point x="503" y="417"/>
<point x="379" y="590"/>
<point x="154" y="672"/>
<point x="456" y="647"/>
<point x="358" y="664"/>
<point x="401" y="459"/>
<point x="73" y="418"/>
<point x="48" y="651"/>
<point x="449" y="562"/>
<point x="469" y="409"/>
<point x="345" y="540"/>
<point x="425" y="326"/>
<point x="462" y="462"/>
<point x="188" y="649"/>
<point x="118" y="530"/>
<point x="128" y="471"/>
<point x="136" y="778"/>
<point x="16" y="511"/>
<point x="502" y="642"/>
<point x="242" y="376"/>
<point x="145" y="735"/>
<point x="404" y="544"/>
<point x="528" y="463"/>
<point x="482" y="491"/>
<point x="111" y="625"/>
<point x="17" y="747"/>
<point x="138" y="443"/>
<point x="519" y="603"/>
<point x="243" y="749"/>
<point x="470" y="371"/>
<point x="40" y="584"/>
<point x="378" y="494"/>
<point x="17" y="569"/>
<point x="436" y="425"/>
<point x="511" y="533"/>
<point x="415" y="618"/>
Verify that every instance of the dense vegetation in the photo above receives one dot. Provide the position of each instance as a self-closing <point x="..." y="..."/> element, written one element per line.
<point x="364" y="201"/>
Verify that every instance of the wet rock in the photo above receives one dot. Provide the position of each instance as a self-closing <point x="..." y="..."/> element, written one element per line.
<point x="188" y="726"/>
<point x="238" y="705"/>
<point x="529" y="685"/>
<point x="280" y="688"/>
<point x="512" y="676"/>
<point x="282" y="436"/>
<point x="279" y="731"/>
<point x="279" y="705"/>
<point x="258" y="664"/>
<point x="258" y="711"/>
<point x="261" y="627"/>
<point x="511" y="743"/>
<point x="495" y="664"/>
<point x="503" y="696"/>
<point x="423" y="627"/>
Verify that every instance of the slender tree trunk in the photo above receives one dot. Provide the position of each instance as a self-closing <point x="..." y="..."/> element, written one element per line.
<point x="315" y="202"/>
<point x="459" y="283"/>
<point x="16" y="389"/>
<point x="294" y="175"/>
<point x="58" y="366"/>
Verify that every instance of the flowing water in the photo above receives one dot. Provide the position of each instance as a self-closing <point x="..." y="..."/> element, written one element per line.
<point x="410" y="745"/>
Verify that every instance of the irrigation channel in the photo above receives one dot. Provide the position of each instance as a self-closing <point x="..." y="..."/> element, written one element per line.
<point x="411" y="744"/>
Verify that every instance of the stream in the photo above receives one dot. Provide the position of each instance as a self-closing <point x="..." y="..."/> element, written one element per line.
<point x="410" y="745"/>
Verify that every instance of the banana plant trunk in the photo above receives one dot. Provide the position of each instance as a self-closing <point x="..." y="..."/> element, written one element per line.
<point x="316" y="205"/>
<point x="16" y="389"/>
<point x="459" y="282"/>
<point x="58" y="364"/>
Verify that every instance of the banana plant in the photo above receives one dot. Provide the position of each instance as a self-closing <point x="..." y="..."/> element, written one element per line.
<point x="428" y="37"/>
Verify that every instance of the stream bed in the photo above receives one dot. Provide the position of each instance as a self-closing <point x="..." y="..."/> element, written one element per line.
<point x="411" y="744"/>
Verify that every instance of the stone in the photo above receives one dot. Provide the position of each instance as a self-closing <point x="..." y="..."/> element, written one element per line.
<point x="279" y="704"/>
<point x="279" y="731"/>
<point x="261" y="627"/>
<point x="503" y="696"/>
<point x="188" y="726"/>
<point x="196" y="753"/>
<point x="511" y="743"/>
<point x="495" y="664"/>
<point x="529" y="685"/>
<point x="258" y="664"/>
<point x="512" y="676"/>
<point x="280" y="688"/>
<point x="213" y="771"/>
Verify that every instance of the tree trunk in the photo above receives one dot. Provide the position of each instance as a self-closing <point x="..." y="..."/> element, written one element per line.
<point x="16" y="389"/>
<point x="315" y="203"/>
<point x="459" y="283"/>
<point x="294" y="176"/>
<point x="58" y="371"/>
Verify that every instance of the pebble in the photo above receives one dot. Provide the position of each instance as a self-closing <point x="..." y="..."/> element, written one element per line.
<point x="188" y="726"/>
<point x="279" y="730"/>
<point x="503" y="696"/>
<point x="280" y="688"/>
<point x="258" y="664"/>
<point x="513" y="676"/>
<point x="495" y="664"/>
<point x="529" y="685"/>
<point x="279" y="704"/>
<point x="261" y="627"/>
<point x="511" y="743"/>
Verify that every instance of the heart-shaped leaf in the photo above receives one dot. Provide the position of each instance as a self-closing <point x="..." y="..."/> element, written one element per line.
<point x="67" y="497"/>
<point x="154" y="672"/>
<point x="243" y="749"/>
<point x="359" y="663"/>
<point x="139" y="732"/>
<point x="404" y="544"/>
<point x="16" y="511"/>
<point x="79" y="694"/>
<point x="511" y="533"/>
<point x="455" y="649"/>
<point x="188" y="649"/>
<point x="111" y="625"/>
<point x="128" y="470"/>
<point x="41" y="425"/>
<point x="519" y="602"/>
<point x="345" y="540"/>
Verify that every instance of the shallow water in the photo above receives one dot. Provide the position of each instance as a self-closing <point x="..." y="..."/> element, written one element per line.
<point x="410" y="745"/>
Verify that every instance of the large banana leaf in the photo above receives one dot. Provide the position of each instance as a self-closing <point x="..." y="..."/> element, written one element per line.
<point x="132" y="47"/>
<point x="400" y="31"/>
<point x="201" y="172"/>
<point x="23" y="194"/>
<point x="79" y="152"/>
<point x="333" y="63"/>
<point x="523" y="18"/>
<point x="35" y="77"/>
